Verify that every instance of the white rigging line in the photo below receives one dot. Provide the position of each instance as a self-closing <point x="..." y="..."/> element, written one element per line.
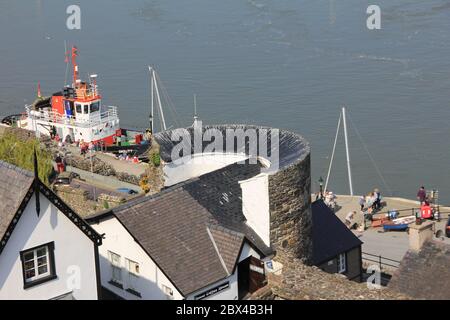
<point x="168" y="101"/>
<point x="370" y="156"/>
<point x="161" y="112"/>
<point x="332" y="153"/>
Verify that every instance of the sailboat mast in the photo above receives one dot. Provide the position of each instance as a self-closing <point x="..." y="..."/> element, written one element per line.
<point x="195" y="110"/>
<point x="347" y="152"/>
<point x="151" y="99"/>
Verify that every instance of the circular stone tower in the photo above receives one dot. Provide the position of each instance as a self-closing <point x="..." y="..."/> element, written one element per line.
<point x="289" y="184"/>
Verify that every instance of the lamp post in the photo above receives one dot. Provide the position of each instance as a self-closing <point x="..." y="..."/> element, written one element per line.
<point x="321" y="187"/>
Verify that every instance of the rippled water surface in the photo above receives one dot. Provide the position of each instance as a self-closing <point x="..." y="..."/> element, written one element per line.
<point x="288" y="64"/>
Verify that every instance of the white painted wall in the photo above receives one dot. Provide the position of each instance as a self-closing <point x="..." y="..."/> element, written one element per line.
<point x="72" y="248"/>
<point x="118" y="240"/>
<point x="196" y="165"/>
<point x="248" y="251"/>
<point x="255" y="205"/>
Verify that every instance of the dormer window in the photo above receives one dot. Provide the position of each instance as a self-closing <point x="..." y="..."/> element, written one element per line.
<point x="38" y="265"/>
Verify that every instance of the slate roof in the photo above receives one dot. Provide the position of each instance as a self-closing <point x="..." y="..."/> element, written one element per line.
<point x="228" y="244"/>
<point x="424" y="274"/>
<point x="193" y="231"/>
<point x="330" y="236"/>
<point x="14" y="185"/>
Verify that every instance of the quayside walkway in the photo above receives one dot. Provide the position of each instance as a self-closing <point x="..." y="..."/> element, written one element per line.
<point x="393" y="244"/>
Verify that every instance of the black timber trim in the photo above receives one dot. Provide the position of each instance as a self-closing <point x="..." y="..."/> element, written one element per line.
<point x="97" y="272"/>
<point x="239" y="255"/>
<point x="71" y="214"/>
<point x="51" y="264"/>
<point x="133" y="292"/>
<point x="61" y="205"/>
<point x="116" y="284"/>
<point x="16" y="217"/>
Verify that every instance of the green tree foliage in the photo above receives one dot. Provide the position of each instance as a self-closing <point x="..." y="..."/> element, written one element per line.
<point x="21" y="153"/>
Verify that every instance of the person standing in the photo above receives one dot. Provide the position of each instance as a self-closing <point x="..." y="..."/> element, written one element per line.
<point x="59" y="164"/>
<point x="422" y="194"/>
<point x="362" y="202"/>
<point x="377" y="197"/>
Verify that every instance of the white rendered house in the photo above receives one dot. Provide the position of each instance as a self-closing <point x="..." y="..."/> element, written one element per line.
<point x="190" y="241"/>
<point x="47" y="251"/>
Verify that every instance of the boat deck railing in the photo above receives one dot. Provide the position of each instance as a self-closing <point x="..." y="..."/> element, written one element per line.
<point x="109" y="115"/>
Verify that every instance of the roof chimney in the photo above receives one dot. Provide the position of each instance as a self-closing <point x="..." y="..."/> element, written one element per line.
<point x="420" y="233"/>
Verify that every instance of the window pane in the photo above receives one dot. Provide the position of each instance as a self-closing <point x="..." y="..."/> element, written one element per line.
<point x="29" y="265"/>
<point x="41" y="252"/>
<point x="95" y="106"/>
<point x="114" y="258"/>
<point x="86" y="108"/>
<point x="42" y="261"/>
<point x="42" y="269"/>
<point x="116" y="274"/>
<point x="28" y="256"/>
<point x="30" y="273"/>
<point x="78" y="106"/>
<point x="133" y="267"/>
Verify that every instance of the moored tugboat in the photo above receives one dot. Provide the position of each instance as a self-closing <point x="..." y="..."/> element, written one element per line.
<point x="75" y="114"/>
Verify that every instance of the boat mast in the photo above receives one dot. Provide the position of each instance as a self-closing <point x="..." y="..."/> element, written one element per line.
<point x="151" y="99"/>
<point x="195" y="111"/>
<point x="347" y="152"/>
<point x="74" y="64"/>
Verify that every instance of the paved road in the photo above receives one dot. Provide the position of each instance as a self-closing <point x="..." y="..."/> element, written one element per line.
<point x="95" y="191"/>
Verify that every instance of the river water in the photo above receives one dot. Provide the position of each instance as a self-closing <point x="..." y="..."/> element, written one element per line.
<point x="288" y="64"/>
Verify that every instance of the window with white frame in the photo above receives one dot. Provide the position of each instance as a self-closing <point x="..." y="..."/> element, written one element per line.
<point x="167" y="291"/>
<point x="38" y="264"/>
<point x="133" y="273"/>
<point x="116" y="268"/>
<point x="342" y="263"/>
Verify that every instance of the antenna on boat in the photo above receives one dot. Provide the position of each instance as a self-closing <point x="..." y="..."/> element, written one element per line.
<point x="66" y="60"/>
<point x="74" y="64"/>
<point x="342" y="116"/>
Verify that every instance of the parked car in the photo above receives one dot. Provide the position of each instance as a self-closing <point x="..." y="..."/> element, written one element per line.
<point x="65" y="178"/>
<point x="447" y="227"/>
<point x="127" y="191"/>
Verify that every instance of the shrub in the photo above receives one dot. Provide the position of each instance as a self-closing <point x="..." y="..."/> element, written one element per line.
<point x="20" y="152"/>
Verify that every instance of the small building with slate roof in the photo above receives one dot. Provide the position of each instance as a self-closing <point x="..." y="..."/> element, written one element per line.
<point x="335" y="248"/>
<point x="47" y="251"/>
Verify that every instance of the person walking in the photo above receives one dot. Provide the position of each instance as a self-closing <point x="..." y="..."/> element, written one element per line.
<point x="421" y="195"/>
